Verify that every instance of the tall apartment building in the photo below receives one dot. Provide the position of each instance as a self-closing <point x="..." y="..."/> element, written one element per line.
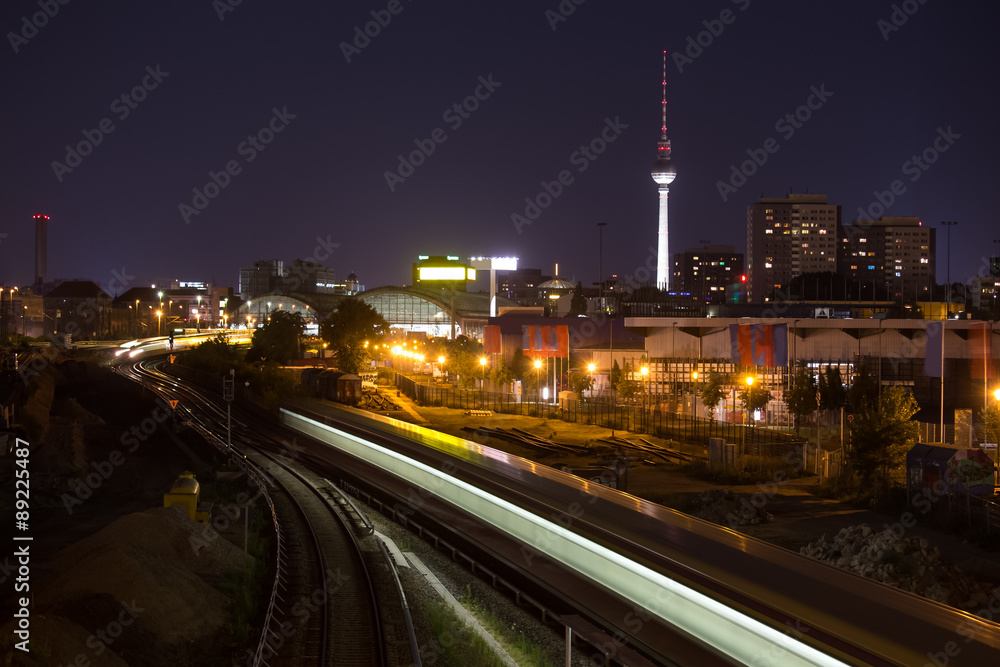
<point x="788" y="237"/>
<point x="705" y="272"/>
<point x="896" y="251"/>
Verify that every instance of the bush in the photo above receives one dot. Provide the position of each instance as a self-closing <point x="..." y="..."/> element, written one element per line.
<point x="756" y="470"/>
<point x="846" y="486"/>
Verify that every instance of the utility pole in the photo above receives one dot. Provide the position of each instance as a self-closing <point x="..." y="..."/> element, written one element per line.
<point x="229" y="393"/>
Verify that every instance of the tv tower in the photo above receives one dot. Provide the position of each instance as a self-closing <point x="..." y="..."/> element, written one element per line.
<point x="664" y="174"/>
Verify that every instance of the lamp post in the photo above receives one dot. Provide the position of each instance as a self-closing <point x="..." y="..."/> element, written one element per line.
<point x="644" y="371"/>
<point x="949" y="224"/>
<point x="538" y="389"/>
<point x="600" y="263"/>
<point x="159" y="319"/>
<point x="747" y="410"/>
<point x="482" y="364"/>
<point x="694" y="390"/>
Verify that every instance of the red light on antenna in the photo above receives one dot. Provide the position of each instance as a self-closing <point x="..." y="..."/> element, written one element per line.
<point x="743" y="279"/>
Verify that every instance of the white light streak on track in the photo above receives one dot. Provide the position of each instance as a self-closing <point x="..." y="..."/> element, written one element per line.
<point x="738" y="636"/>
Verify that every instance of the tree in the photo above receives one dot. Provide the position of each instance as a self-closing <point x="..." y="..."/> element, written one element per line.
<point x="713" y="393"/>
<point x="348" y="327"/>
<point x="216" y="356"/>
<point x="882" y="434"/>
<point x="278" y="339"/>
<point x="520" y="365"/>
<point x="501" y="375"/>
<point x="833" y="395"/>
<point x="756" y="397"/>
<point x="463" y="359"/>
<point x="578" y="304"/>
<point x="992" y="419"/>
<point x="864" y="391"/>
<point x="626" y="387"/>
<point x="801" y="397"/>
<point x="616" y="374"/>
<point x="580" y="380"/>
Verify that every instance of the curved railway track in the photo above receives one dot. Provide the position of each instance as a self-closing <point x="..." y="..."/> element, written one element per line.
<point x="324" y="607"/>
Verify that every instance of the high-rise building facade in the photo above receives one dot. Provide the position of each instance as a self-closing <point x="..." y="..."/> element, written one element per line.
<point x="788" y="237"/>
<point x="705" y="272"/>
<point x="898" y="252"/>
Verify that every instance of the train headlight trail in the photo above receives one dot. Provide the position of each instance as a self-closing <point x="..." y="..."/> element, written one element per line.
<point x="731" y="633"/>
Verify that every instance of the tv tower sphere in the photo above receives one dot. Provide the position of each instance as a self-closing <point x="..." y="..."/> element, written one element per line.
<point x="663" y="171"/>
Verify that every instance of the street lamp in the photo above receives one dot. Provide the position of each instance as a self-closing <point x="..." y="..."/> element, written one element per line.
<point x="482" y="364"/>
<point x="644" y="371"/>
<point x="538" y="389"/>
<point x="749" y="390"/>
<point x="159" y="316"/>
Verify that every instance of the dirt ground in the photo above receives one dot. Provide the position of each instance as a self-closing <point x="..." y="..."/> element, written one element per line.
<point x="799" y="516"/>
<point x="105" y="555"/>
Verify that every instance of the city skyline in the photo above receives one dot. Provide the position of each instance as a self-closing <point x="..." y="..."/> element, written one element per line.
<point x="297" y="131"/>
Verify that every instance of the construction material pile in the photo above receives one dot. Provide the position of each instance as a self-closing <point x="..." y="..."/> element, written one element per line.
<point x="906" y="562"/>
<point x="726" y="508"/>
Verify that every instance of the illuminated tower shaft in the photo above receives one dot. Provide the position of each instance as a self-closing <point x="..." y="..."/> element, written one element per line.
<point x="662" y="245"/>
<point x="663" y="174"/>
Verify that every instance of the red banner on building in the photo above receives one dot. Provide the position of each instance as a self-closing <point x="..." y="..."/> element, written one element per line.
<point x="759" y="344"/>
<point x="981" y="350"/>
<point x="545" y="341"/>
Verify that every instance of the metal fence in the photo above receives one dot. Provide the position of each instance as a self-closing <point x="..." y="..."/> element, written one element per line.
<point x="652" y="420"/>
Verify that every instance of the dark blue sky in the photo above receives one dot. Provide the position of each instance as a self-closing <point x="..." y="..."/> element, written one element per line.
<point x="323" y="175"/>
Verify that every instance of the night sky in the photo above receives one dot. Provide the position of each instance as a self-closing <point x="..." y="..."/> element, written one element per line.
<point x="343" y="126"/>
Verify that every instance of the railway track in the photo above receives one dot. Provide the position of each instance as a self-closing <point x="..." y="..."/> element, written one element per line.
<point x="325" y="603"/>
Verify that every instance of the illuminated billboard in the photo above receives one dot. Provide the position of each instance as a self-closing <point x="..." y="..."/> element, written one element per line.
<point x="443" y="269"/>
<point x="445" y="273"/>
